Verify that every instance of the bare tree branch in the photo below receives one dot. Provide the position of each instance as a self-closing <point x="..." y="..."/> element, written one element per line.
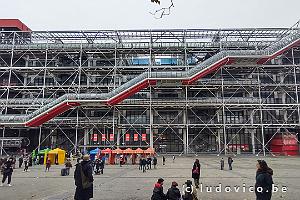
<point x="163" y="11"/>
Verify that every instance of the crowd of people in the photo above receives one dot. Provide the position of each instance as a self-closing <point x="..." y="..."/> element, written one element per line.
<point x="146" y="163"/>
<point x="85" y="168"/>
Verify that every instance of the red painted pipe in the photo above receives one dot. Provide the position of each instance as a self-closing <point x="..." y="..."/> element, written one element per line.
<point x="131" y="91"/>
<point x="216" y="66"/>
<point x="51" y="114"/>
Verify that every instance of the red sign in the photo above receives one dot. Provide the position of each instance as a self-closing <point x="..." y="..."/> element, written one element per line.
<point x="127" y="137"/>
<point x="103" y="137"/>
<point x="136" y="137"/>
<point x="95" y="137"/>
<point x="111" y="137"/>
<point x="144" y="137"/>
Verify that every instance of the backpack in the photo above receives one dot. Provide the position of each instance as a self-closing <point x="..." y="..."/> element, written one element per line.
<point x="85" y="180"/>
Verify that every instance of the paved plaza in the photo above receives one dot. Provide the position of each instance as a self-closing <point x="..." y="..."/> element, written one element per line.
<point x="128" y="183"/>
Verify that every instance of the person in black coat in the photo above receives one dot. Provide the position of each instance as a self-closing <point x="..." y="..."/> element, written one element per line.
<point x="154" y="162"/>
<point x="264" y="181"/>
<point x="196" y="172"/>
<point x="173" y="192"/>
<point x="20" y="161"/>
<point x="222" y="164"/>
<point x="144" y="163"/>
<point x="149" y="161"/>
<point x="230" y="161"/>
<point x="84" y="179"/>
<point x="7" y="171"/>
<point x="164" y="160"/>
<point x="158" y="191"/>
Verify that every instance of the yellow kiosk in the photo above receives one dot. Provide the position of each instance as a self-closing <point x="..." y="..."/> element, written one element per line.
<point x="56" y="156"/>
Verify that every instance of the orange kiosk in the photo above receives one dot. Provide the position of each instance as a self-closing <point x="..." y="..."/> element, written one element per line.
<point x="149" y="151"/>
<point x="131" y="153"/>
<point x="115" y="152"/>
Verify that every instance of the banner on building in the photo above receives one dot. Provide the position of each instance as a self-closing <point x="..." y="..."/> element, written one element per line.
<point x="127" y="137"/>
<point x="103" y="137"/>
<point x="136" y="137"/>
<point x="111" y="137"/>
<point x="95" y="137"/>
<point x="144" y="137"/>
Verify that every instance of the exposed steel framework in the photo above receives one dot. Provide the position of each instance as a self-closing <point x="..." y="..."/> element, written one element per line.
<point x="189" y="91"/>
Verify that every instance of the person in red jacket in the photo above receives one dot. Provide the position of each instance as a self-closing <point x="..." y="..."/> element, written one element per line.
<point x="158" y="191"/>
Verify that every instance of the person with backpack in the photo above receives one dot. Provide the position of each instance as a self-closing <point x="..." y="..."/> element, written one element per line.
<point x="189" y="192"/>
<point x="264" y="180"/>
<point x="196" y="172"/>
<point x="83" y="176"/>
<point x="158" y="191"/>
<point x="173" y="192"/>
<point x="230" y="161"/>
<point x="7" y="172"/>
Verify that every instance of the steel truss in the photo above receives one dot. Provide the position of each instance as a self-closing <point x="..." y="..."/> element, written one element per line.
<point x="240" y="104"/>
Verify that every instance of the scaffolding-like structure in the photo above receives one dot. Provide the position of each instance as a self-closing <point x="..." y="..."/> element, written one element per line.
<point x="180" y="91"/>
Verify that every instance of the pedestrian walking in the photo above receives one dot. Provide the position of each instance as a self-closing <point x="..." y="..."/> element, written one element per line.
<point x="20" y="161"/>
<point x="14" y="161"/>
<point x="83" y="176"/>
<point x="26" y="163"/>
<point x="173" y="158"/>
<point x="163" y="160"/>
<point x="7" y="170"/>
<point x="101" y="166"/>
<point x="222" y="164"/>
<point x="189" y="192"/>
<point x="149" y="161"/>
<point x="68" y="166"/>
<point x="173" y="192"/>
<point x="144" y="163"/>
<point x="121" y="160"/>
<point x="154" y="162"/>
<point x="196" y="172"/>
<point x="264" y="181"/>
<point x="48" y="165"/>
<point x="230" y="161"/>
<point x="158" y="191"/>
<point x="97" y="165"/>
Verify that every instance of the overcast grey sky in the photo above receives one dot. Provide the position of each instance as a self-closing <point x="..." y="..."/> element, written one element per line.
<point x="134" y="14"/>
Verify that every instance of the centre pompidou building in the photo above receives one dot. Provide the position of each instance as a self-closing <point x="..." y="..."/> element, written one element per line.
<point x="184" y="91"/>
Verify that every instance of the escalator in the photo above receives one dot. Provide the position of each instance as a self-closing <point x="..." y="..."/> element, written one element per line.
<point x="146" y="79"/>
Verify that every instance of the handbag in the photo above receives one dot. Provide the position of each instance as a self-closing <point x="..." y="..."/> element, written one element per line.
<point x="196" y="170"/>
